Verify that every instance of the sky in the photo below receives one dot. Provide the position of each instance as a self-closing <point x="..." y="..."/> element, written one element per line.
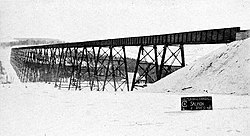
<point x="83" y="20"/>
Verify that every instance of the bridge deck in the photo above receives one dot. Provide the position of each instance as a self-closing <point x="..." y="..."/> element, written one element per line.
<point x="212" y="36"/>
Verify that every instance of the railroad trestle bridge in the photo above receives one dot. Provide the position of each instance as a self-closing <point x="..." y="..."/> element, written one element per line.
<point x="103" y="64"/>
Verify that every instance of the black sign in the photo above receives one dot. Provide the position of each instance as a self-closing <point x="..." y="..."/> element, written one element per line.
<point x="196" y="103"/>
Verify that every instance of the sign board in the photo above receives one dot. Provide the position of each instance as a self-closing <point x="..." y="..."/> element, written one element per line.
<point x="196" y="103"/>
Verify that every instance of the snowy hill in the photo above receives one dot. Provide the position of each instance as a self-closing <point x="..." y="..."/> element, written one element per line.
<point x="225" y="71"/>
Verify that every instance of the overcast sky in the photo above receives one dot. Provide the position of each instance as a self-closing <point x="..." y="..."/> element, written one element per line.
<point x="80" y="20"/>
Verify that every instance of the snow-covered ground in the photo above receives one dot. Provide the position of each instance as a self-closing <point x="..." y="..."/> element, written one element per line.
<point x="39" y="109"/>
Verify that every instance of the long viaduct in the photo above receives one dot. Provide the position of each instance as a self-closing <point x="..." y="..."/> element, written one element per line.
<point x="103" y="64"/>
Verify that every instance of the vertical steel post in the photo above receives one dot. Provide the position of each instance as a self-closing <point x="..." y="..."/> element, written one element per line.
<point x="112" y="66"/>
<point x="107" y="70"/>
<point x="61" y="54"/>
<point x="163" y="60"/>
<point x="136" y="67"/>
<point x="182" y="55"/>
<point x="88" y="68"/>
<point x="72" y="66"/>
<point x="126" y="67"/>
<point x="63" y="67"/>
<point x="156" y="63"/>
<point x="96" y="68"/>
<point x="72" y="76"/>
<point x="79" y="71"/>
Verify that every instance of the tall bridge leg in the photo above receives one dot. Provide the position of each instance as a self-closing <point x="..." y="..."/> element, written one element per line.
<point x="96" y="69"/>
<point x="126" y="67"/>
<point x="113" y="64"/>
<point x="63" y="68"/>
<point x="136" y="67"/>
<point x="61" y="54"/>
<point x="89" y="58"/>
<point x="156" y="62"/>
<point x="80" y="68"/>
<point x="73" y="55"/>
<point x="112" y="67"/>
<point x="147" y="62"/>
<point x="108" y="69"/>
<point x="182" y="55"/>
<point x="162" y="61"/>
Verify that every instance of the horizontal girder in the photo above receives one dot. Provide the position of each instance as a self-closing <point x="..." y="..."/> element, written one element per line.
<point x="212" y="36"/>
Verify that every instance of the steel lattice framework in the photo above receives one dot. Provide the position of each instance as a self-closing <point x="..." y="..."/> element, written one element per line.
<point x="102" y="64"/>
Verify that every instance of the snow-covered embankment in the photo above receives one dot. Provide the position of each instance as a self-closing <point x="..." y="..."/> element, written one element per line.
<point x="224" y="71"/>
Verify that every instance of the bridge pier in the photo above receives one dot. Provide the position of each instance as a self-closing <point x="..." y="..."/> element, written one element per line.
<point x="147" y="64"/>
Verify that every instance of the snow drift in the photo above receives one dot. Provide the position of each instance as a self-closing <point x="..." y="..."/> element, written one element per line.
<point x="224" y="71"/>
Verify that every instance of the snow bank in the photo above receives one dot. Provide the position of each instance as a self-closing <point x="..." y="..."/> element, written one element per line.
<point x="224" y="71"/>
<point x="9" y="75"/>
